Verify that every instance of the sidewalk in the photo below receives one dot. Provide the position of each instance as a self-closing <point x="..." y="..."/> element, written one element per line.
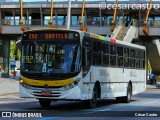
<point x="157" y="85"/>
<point x="8" y="86"/>
<point x="154" y="85"/>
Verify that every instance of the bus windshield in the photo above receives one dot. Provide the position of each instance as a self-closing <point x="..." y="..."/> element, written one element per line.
<point x="50" y="57"/>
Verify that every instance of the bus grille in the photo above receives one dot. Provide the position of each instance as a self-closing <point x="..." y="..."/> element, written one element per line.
<point x="53" y="94"/>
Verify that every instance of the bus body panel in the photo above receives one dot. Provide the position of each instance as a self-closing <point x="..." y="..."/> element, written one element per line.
<point x="112" y="81"/>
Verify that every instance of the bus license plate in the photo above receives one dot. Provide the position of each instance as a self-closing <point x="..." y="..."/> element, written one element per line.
<point x="46" y="93"/>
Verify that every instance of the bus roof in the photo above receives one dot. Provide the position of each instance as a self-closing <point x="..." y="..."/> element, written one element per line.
<point x="51" y="29"/>
<point x="112" y="40"/>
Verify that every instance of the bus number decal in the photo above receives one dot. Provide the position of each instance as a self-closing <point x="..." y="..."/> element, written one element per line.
<point x="33" y="36"/>
<point x="102" y="72"/>
<point x="27" y="59"/>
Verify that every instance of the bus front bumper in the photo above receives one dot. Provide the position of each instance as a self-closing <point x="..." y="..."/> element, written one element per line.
<point x="71" y="94"/>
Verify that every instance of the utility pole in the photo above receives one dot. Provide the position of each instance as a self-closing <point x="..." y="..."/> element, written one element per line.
<point x="23" y="28"/>
<point x="69" y="14"/>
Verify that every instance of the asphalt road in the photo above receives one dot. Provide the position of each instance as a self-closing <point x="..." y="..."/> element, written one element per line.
<point x="145" y="105"/>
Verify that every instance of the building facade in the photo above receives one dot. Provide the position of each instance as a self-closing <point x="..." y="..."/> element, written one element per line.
<point x="37" y="14"/>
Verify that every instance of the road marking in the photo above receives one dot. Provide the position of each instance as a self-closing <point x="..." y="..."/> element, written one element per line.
<point x="152" y="102"/>
<point x="105" y="110"/>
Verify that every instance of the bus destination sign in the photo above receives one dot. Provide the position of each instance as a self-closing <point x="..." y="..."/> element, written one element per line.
<point x="50" y="36"/>
<point x="34" y="36"/>
<point x="56" y="36"/>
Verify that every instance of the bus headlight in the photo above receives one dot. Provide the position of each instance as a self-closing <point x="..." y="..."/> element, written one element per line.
<point x="24" y="84"/>
<point x="65" y="87"/>
<point x="71" y="85"/>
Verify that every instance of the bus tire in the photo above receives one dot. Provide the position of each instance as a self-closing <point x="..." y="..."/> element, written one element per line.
<point x="126" y="99"/>
<point x="119" y="99"/>
<point x="93" y="102"/>
<point x="44" y="103"/>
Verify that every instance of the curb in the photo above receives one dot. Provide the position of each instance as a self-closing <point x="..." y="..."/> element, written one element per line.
<point x="158" y="86"/>
<point x="9" y="94"/>
<point x="153" y="86"/>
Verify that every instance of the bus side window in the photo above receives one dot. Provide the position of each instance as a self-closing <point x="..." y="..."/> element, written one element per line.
<point x="142" y="60"/>
<point x="120" y="56"/>
<point x="113" y="55"/>
<point x="96" y="53"/>
<point x="137" y="59"/>
<point x="132" y="59"/>
<point x="105" y="54"/>
<point x="86" y="59"/>
<point x="126" y="57"/>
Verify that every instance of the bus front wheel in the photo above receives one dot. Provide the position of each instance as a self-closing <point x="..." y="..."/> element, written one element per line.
<point x="44" y="103"/>
<point x="93" y="102"/>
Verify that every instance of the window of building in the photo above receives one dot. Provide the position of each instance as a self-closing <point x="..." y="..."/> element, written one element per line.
<point x="93" y="20"/>
<point x="12" y="48"/>
<point x="75" y="20"/>
<point x="61" y="20"/>
<point x="47" y="18"/>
